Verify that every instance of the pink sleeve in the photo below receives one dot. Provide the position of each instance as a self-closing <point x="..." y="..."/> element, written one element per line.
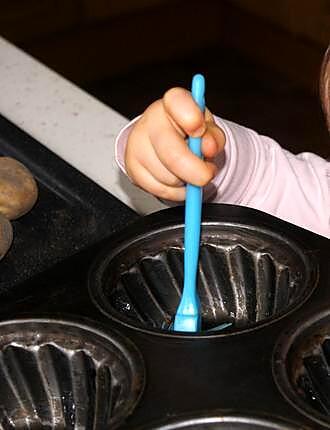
<point x="255" y="171"/>
<point x="120" y="144"/>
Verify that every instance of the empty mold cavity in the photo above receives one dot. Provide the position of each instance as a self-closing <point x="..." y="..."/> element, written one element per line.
<point x="223" y="422"/>
<point x="302" y="367"/>
<point x="246" y="276"/>
<point x="60" y="375"/>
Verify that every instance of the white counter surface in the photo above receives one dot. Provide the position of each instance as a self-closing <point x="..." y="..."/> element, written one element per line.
<point x="68" y="121"/>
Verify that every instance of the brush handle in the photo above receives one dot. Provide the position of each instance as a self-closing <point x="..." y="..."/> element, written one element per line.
<point x="193" y="210"/>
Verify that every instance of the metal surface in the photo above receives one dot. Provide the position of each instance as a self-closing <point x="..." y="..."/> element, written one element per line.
<point x="230" y="370"/>
<point x="72" y="213"/>
<point x="65" y="328"/>
<point x="222" y="421"/>
<point x="59" y="374"/>
<point x="302" y="366"/>
<point x="247" y="276"/>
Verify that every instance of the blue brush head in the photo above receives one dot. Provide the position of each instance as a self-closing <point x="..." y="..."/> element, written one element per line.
<point x="187" y="323"/>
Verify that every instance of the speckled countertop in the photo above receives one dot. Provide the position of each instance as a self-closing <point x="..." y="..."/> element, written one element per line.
<point x="68" y="121"/>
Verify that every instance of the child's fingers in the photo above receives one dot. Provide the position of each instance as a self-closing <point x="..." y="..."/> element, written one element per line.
<point x="140" y="151"/>
<point x="184" y="111"/>
<point x="157" y="157"/>
<point x="152" y="163"/>
<point x="144" y="179"/>
<point x="187" y="117"/>
<point x="175" y="155"/>
<point x="209" y="145"/>
<point x="213" y="140"/>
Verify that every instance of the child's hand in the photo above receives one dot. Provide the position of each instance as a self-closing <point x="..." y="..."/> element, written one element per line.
<point x="157" y="156"/>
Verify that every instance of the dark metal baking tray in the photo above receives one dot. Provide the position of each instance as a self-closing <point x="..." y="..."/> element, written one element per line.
<point x="241" y="378"/>
<point x="71" y="214"/>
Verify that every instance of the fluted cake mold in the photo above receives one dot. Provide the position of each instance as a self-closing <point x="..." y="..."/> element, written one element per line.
<point x="302" y="366"/>
<point x="63" y="375"/>
<point x="248" y="276"/>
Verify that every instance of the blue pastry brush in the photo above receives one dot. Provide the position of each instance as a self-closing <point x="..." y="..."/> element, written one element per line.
<point x="187" y="316"/>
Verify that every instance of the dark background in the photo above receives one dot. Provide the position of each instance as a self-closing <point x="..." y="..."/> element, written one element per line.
<point x="261" y="59"/>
